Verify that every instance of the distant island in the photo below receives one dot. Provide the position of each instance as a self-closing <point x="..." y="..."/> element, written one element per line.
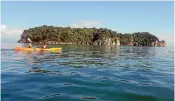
<point x="90" y="36"/>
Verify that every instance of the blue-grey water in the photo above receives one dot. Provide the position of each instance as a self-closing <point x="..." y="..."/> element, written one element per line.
<point x="88" y="73"/>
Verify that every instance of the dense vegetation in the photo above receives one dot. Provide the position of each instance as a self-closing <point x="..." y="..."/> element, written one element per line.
<point x="67" y="34"/>
<point x="137" y="39"/>
<point x="85" y="35"/>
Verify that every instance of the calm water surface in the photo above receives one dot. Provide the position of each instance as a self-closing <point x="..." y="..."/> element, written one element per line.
<point x="88" y="73"/>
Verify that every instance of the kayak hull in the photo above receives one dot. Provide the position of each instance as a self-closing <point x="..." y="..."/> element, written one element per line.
<point x="37" y="49"/>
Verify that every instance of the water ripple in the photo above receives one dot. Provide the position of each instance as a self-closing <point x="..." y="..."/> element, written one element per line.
<point x="94" y="73"/>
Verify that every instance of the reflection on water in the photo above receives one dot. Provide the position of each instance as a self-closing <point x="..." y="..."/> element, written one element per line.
<point x="83" y="72"/>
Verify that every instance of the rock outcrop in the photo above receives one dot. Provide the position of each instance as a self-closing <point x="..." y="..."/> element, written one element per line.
<point x="107" y="41"/>
<point x="158" y="43"/>
<point x="23" y="38"/>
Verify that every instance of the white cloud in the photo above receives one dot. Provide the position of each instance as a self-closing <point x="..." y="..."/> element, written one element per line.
<point x="5" y="30"/>
<point x="3" y="26"/>
<point x="87" y="24"/>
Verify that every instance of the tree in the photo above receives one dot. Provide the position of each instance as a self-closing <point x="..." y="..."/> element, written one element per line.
<point x="86" y="35"/>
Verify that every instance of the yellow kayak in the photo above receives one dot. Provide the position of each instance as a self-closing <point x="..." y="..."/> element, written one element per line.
<point x="37" y="49"/>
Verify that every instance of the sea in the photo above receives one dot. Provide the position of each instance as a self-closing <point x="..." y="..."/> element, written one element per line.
<point x="87" y="73"/>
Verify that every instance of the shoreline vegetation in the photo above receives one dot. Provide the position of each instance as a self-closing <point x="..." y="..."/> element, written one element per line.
<point x="90" y="36"/>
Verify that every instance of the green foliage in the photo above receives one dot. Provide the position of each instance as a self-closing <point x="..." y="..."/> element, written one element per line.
<point x="140" y="38"/>
<point x="86" y="35"/>
<point x="144" y="38"/>
<point x="67" y="34"/>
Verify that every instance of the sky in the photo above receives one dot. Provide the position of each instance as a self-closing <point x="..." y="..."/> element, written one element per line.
<point x="124" y="17"/>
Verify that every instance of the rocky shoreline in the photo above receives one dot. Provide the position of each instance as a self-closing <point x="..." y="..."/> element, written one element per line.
<point x="154" y="44"/>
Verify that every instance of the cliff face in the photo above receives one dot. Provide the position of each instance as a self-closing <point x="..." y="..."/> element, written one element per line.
<point x="23" y="38"/>
<point x="107" y="41"/>
<point x="104" y="41"/>
<point x="158" y="43"/>
<point x="141" y="39"/>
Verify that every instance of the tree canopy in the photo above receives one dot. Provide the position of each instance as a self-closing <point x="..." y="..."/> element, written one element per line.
<point x="86" y="35"/>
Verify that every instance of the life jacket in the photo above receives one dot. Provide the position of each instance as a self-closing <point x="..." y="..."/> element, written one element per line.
<point x="43" y="46"/>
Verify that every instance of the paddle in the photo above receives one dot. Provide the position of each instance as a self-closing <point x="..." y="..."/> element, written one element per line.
<point x="30" y="43"/>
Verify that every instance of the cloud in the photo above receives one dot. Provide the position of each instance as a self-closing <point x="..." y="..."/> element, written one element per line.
<point x="5" y="30"/>
<point x="87" y="24"/>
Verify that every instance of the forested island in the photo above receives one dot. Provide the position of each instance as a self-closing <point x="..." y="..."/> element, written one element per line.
<point x="90" y="36"/>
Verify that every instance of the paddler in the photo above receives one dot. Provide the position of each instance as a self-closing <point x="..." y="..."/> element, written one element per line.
<point x="29" y="41"/>
<point x="44" y="45"/>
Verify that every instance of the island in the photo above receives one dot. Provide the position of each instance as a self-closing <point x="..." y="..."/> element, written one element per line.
<point x="90" y="36"/>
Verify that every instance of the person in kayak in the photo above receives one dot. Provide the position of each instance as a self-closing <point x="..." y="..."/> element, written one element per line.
<point x="44" y="45"/>
<point x="29" y="41"/>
